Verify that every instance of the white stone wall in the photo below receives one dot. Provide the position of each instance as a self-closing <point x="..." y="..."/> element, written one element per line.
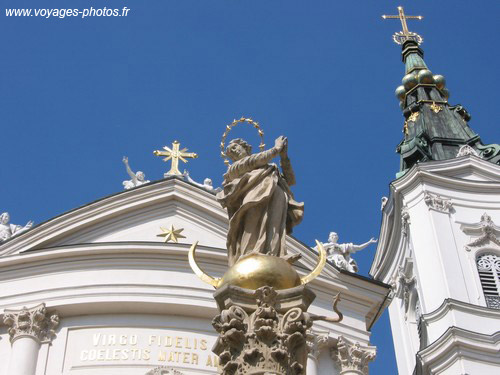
<point x="423" y="253"/>
<point x="117" y="287"/>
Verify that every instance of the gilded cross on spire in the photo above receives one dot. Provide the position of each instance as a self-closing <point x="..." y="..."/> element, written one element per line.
<point x="175" y="154"/>
<point x="402" y="36"/>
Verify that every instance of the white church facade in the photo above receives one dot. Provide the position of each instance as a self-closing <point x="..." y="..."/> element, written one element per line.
<point x="97" y="291"/>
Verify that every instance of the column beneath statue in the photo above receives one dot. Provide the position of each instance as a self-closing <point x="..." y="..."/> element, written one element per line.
<point x="262" y="331"/>
<point x="28" y="329"/>
<point x="353" y="358"/>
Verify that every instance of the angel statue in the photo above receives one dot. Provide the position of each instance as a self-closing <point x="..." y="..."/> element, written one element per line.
<point x="8" y="230"/>
<point x="207" y="183"/>
<point x="137" y="179"/>
<point x="340" y="253"/>
<point x="259" y="201"/>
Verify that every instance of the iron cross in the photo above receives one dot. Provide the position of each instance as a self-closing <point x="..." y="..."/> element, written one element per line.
<point x="175" y="154"/>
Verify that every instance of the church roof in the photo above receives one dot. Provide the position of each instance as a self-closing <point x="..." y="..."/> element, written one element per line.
<point x="433" y="129"/>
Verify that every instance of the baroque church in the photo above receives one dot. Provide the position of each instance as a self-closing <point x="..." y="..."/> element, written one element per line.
<point x="108" y="288"/>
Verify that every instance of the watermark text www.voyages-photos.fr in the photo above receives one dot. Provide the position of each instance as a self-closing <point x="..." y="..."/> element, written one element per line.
<point x="64" y="13"/>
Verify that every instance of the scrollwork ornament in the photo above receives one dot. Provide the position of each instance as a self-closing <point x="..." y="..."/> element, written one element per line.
<point x="489" y="262"/>
<point x="466" y="150"/>
<point x="400" y="37"/>
<point x="489" y="233"/>
<point x="437" y="202"/>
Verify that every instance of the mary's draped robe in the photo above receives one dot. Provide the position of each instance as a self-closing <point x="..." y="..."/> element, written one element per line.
<point x="260" y="206"/>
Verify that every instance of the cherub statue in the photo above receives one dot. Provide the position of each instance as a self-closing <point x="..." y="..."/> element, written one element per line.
<point x="258" y="199"/>
<point x="340" y="254"/>
<point x="137" y="179"/>
<point x="10" y="230"/>
<point x="207" y="183"/>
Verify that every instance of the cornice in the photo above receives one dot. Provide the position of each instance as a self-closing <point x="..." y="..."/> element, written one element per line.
<point x="364" y="296"/>
<point x="394" y="229"/>
<point x="442" y="173"/>
<point x="443" y="352"/>
<point x="450" y="305"/>
<point x="113" y="206"/>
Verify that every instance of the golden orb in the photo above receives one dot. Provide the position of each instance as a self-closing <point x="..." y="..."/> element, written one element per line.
<point x="258" y="270"/>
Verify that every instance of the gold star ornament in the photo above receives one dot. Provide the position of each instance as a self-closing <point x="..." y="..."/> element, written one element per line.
<point x="171" y="234"/>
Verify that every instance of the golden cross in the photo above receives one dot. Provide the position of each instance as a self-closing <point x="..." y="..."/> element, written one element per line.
<point x="403" y="17"/>
<point x="175" y="154"/>
<point x="400" y="37"/>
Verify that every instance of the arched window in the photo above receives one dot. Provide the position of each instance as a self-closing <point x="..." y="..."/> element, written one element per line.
<point x="488" y="266"/>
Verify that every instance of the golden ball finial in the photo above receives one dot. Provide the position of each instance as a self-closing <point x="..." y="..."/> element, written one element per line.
<point x="258" y="270"/>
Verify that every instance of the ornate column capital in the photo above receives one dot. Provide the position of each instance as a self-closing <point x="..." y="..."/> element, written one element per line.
<point x="352" y="357"/>
<point x="33" y="322"/>
<point x="262" y="331"/>
<point x="316" y="343"/>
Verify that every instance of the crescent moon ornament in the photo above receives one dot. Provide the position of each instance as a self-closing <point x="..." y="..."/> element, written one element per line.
<point x="319" y="267"/>
<point x="215" y="282"/>
<point x="231" y="126"/>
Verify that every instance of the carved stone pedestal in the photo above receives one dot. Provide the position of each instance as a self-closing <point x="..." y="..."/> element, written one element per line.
<point x="263" y="331"/>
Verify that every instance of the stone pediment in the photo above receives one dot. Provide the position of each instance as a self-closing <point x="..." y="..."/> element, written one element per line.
<point x="133" y="216"/>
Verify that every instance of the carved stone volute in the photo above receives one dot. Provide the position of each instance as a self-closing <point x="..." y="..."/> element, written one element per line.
<point x="33" y="322"/>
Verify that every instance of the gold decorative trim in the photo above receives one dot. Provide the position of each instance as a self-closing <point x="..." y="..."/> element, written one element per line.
<point x="215" y="282"/>
<point x="231" y="126"/>
<point x="319" y="267"/>
<point x="414" y="116"/>
<point x="436" y="108"/>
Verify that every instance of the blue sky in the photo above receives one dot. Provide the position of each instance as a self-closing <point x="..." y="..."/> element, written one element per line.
<point x="78" y="94"/>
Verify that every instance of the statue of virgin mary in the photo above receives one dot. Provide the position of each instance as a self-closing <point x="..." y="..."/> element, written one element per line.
<point x="259" y="201"/>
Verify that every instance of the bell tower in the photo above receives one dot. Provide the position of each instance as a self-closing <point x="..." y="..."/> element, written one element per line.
<point x="439" y="246"/>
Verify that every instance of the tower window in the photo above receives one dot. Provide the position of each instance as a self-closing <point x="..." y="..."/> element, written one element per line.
<point x="488" y="266"/>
